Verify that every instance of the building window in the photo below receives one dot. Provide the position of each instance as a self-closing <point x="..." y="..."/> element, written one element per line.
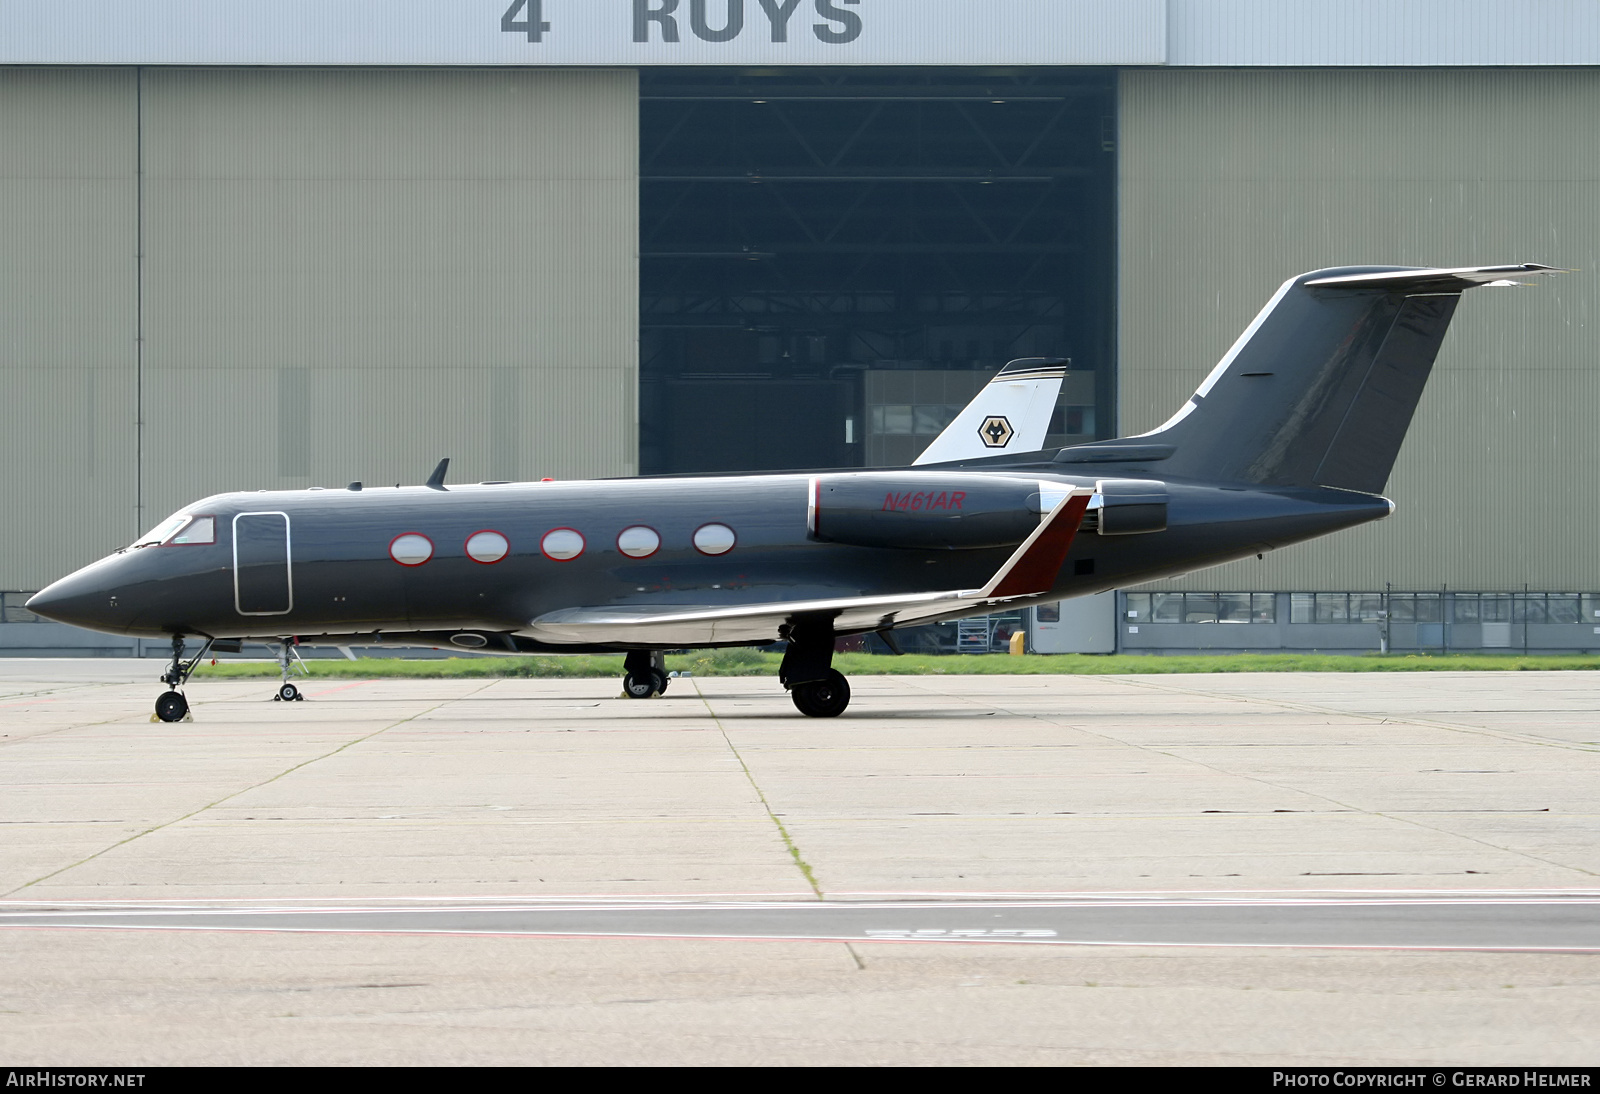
<point x="1201" y="607"/>
<point x="1416" y="607"/>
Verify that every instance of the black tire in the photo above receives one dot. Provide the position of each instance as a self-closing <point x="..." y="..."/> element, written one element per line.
<point x="639" y="687"/>
<point x="825" y="698"/>
<point x="660" y="679"/>
<point x="289" y="693"/>
<point x="171" y="706"/>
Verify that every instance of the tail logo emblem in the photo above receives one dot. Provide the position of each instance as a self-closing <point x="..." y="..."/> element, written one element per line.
<point x="996" y="431"/>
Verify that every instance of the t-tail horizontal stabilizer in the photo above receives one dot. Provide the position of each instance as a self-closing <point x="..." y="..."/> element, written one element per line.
<point x="1011" y="414"/>
<point x="1030" y="571"/>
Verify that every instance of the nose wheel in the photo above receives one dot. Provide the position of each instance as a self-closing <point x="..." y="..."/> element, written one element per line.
<point x="287" y="692"/>
<point x="172" y="705"/>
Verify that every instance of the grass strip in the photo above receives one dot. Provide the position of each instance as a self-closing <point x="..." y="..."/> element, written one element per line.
<point x="747" y="662"/>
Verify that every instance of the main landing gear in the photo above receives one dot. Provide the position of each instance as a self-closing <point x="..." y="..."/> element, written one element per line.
<point x="172" y="705"/>
<point x="817" y="688"/>
<point x="646" y="674"/>
<point x="807" y="673"/>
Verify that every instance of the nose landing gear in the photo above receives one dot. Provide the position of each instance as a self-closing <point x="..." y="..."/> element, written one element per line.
<point x="287" y="692"/>
<point x="172" y="705"/>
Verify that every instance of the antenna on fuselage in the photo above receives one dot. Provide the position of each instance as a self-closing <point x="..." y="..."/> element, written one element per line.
<point x="436" y="480"/>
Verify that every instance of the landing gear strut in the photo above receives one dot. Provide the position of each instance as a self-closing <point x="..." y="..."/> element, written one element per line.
<point x="287" y="692"/>
<point x="646" y="674"/>
<point x="817" y="688"/>
<point x="171" y="705"/>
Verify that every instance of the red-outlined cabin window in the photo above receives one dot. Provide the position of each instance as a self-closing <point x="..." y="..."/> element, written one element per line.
<point x="562" y="544"/>
<point x="411" y="548"/>
<point x="487" y="546"/>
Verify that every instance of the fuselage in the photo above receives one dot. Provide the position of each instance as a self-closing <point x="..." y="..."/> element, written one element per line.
<point x="493" y="558"/>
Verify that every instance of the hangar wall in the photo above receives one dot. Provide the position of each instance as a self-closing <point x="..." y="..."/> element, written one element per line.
<point x="1233" y="180"/>
<point x="68" y="369"/>
<point x="345" y="274"/>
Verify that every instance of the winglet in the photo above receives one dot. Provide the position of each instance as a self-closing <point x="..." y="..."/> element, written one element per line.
<point x="1033" y="567"/>
<point x="436" y="480"/>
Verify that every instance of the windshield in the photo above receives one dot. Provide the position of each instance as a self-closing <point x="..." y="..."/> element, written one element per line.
<point x="160" y="532"/>
<point x="198" y="530"/>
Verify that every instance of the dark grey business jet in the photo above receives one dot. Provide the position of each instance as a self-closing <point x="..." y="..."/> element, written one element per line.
<point x="1291" y="436"/>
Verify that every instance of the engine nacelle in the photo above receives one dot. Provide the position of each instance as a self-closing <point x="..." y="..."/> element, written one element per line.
<point x="1130" y="507"/>
<point x="927" y="511"/>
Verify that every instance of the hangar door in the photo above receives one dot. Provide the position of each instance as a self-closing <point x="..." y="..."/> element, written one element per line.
<point x="821" y="248"/>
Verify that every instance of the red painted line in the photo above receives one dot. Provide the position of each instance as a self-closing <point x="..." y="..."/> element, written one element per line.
<point x="29" y="702"/>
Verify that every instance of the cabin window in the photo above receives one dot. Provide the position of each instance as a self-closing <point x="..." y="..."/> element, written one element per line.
<point x="714" y="539"/>
<point x="411" y="549"/>
<point x="562" y="544"/>
<point x="487" y="547"/>
<point x="639" y="541"/>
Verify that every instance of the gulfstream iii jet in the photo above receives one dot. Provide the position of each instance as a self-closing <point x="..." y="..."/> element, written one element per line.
<point x="1291" y="436"/>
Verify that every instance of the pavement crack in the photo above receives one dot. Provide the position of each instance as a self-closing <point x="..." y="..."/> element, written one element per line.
<point x="788" y="841"/>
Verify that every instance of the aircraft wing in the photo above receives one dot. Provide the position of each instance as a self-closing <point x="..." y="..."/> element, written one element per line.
<point x="1030" y="570"/>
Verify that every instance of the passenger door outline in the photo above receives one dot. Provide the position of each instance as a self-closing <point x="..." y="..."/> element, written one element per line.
<point x="288" y="568"/>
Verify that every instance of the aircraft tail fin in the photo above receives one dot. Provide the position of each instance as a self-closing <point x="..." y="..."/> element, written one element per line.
<point x="1320" y="389"/>
<point x="1011" y="414"/>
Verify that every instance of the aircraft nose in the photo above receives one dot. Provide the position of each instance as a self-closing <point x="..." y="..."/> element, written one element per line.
<point x="87" y="598"/>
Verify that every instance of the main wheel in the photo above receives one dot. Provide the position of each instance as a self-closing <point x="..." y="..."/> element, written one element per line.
<point x="640" y="686"/>
<point x="289" y="693"/>
<point x="171" y="707"/>
<point x="825" y="698"/>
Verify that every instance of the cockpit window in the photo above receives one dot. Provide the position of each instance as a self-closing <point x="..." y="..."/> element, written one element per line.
<point x="180" y="528"/>
<point x="160" y="532"/>
<point x="198" y="530"/>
